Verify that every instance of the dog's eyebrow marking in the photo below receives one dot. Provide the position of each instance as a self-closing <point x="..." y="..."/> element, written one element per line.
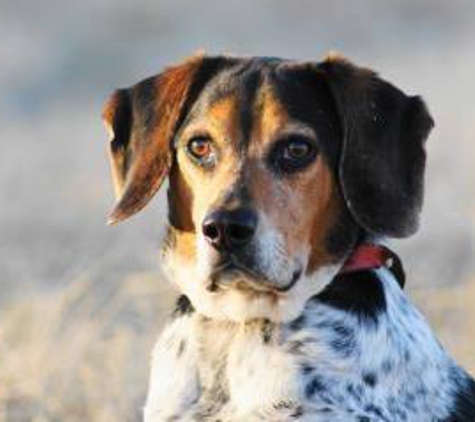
<point x="220" y="118"/>
<point x="272" y="119"/>
<point x="269" y="117"/>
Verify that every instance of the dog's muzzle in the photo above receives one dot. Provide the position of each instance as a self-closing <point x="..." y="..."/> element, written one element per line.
<point x="231" y="233"/>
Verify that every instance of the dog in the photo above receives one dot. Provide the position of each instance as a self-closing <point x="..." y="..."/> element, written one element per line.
<point x="285" y="180"/>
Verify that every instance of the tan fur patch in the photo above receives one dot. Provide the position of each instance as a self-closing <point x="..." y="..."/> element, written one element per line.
<point x="193" y="192"/>
<point x="303" y="205"/>
<point x="222" y="123"/>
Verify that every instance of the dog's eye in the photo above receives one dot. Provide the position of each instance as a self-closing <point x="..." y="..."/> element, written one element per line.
<point x="199" y="147"/>
<point x="293" y="154"/>
<point x="297" y="150"/>
<point x="201" y="150"/>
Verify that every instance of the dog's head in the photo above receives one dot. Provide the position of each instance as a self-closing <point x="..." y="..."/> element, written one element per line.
<point x="276" y="168"/>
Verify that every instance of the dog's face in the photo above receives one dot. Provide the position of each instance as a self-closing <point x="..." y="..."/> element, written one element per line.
<point x="276" y="169"/>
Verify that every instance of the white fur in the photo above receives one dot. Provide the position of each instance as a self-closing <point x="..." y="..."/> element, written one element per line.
<point x="263" y="381"/>
<point x="272" y="257"/>
<point x="240" y="305"/>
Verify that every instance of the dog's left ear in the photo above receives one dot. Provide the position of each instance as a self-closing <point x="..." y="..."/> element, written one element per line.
<point x="142" y="121"/>
<point x="381" y="167"/>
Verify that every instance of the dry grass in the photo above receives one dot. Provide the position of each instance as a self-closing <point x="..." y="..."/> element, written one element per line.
<point x="451" y="312"/>
<point x="68" y="356"/>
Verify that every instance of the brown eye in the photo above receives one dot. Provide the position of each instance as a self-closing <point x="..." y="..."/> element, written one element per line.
<point x="297" y="150"/>
<point x="200" y="147"/>
<point x="293" y="154"/>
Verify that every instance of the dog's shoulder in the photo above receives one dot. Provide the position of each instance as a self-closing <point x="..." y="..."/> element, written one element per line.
<point x="398" y="369"/>
<point x="463" y="407"/>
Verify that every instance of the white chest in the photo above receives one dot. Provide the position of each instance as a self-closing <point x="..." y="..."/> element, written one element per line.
<point x="329" y="367"/>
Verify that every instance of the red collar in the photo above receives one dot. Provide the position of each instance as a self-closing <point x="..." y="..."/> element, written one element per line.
<point x="369" y="256"/>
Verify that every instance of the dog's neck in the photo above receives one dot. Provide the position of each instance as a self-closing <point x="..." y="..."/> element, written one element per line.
<point x="364" y="259"/>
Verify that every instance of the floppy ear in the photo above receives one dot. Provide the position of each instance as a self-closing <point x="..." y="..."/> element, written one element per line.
<point x="142" y="121"/>
<point x="381" y="167"/>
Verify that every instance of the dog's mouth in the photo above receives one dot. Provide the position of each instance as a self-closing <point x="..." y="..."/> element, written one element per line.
<point x="232" y="274"/>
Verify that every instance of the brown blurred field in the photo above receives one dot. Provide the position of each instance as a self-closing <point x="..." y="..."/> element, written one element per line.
<point x="81" y="303"/>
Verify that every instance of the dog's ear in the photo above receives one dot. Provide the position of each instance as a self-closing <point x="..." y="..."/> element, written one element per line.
<point x="142" y="121"/>
<point x="381" y="167"/>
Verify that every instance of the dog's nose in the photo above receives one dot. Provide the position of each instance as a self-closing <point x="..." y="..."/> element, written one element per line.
<point x="230" y="229"/>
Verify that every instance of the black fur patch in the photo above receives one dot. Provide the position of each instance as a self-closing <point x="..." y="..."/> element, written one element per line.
<point x="464" y="405"/>
<point x="316" y="385"/>
<point x="267" y="330"/>
<point x="251" y="81"/>
<point x="298" y="323"/>
<point x="297" y="410"/>
<point x="355" y="391"/>
<point x="307" y="99"/>
<point x="370" y="379"/>
<point x="213" y="399"/>
<point x="387" y="366"/>
<point x="122" y="125"/>
<point x="343" y="339"/>
<point x="183" y="306"/>
<point x="181" y="348"/>
<point x="307" y="369"/>
<point x="143" y="98"/>
<point x="375" y="410"/>
<point x="359" y="293"/>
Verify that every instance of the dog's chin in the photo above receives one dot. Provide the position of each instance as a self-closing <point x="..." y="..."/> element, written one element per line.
<point x="240" y="298"/>
<point x="241" y="295"/>
<point x="232" y="275"/>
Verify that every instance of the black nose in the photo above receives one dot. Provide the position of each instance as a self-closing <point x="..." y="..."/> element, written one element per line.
<point x="230" y="229"/>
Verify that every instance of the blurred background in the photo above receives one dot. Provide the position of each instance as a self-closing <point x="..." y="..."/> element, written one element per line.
<point x="82" y="303"/>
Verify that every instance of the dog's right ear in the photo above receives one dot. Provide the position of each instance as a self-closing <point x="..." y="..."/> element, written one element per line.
<point x="142" y="121"/>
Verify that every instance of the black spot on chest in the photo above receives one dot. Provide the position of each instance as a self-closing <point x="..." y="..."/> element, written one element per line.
<point x="370" y="379"/>
<point x="376" y="411"/>
<point x="181" y="348"/>
<point x="342" y="338"/>
<point x="298" y="323"/>
<point x="360" y="293"/>
<point x="183" y="306"/>
<point x="315" y="386"/>
<point x="267" y="330"/>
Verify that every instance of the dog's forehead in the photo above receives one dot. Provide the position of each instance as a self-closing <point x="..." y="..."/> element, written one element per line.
<point x="264" y="95"/>
<point x="251" y="82"/>
<point x="234" y="91"/>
